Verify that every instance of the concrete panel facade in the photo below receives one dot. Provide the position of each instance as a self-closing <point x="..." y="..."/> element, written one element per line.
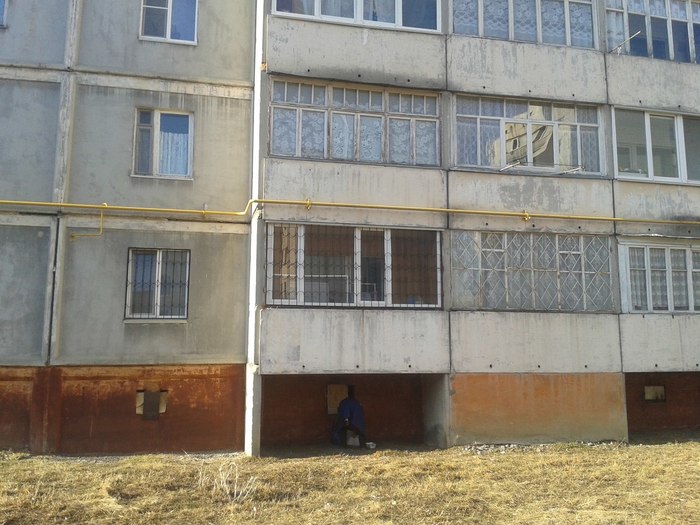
<point x="379" y="56"/>
<point x="502" y="408"/>
<point x="511" y="342"/>
<point x="660" y="343"/>
<point x="103" y="155"/>
<point x="216" y="284"/>
<point x="679" y="410"/>
<point x="318" y="341"/>
<point x="109" y="41"/>
<point x="355" y="184"/>
<point x="499" y="67"/>
<point x="35" y="32"/>
<point x="27" y="173"/>
<point x="515" y="193"/>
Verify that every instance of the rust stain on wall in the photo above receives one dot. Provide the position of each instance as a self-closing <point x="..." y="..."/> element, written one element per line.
<point x="15" y="406"/>
<point x="680" y="410"/>
<point x="537" y="407"/>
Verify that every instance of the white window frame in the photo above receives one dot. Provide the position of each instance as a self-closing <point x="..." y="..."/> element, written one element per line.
<point x="681" y="164"/>
<point x="359" y="17"/>
<point x="155" y="145"/>
<point x="128" y="314"/>
<point x="357" y="277"/>
<point x="539" y="30"/>
<point x="3" y="14"/>
<point x="169" y="25"/>
<point x="556" y="168"/>
<point x="385" y="114"/>
<point x="626" y="279"/>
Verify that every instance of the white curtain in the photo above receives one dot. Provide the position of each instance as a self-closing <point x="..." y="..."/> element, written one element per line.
<point x="174" y="153"/>
<point x="380" y="10"/>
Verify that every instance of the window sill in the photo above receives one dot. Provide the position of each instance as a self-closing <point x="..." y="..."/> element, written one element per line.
<point x="151" y="320"/>
<point x="355" y="162"/>
<point x="354" y="23"/>
<point x="189" y="178"/>
<point x="167" y="41"/>
<point x="542" y="172"/>
<point x="656" y="180"/>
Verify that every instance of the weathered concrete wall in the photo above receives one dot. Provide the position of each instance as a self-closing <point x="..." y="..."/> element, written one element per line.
<point x="355" y="54"/>
<point x="35" y="32"/>
<point x="16" y="401"/>
<point x="24" y="270"/>
<point x="295" y="408"/>
<point x="358" y="184"/>
<point x="660" y="343"/>
<point x="317" y="341"/>
<point x="109" y="41"/>
<point x="103" y="154"/>
<point x="94" y="285"/>
<point x="512" y="342"/>
<point x="29" y="113"/>
<point x="680" y="410"/>
<point x="499" y="67"/>
<point x="523" y="408"/>
<point x="658" y="84"/>
<point x="515" y="193"/>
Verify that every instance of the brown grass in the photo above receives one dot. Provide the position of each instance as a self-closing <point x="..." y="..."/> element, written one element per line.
<point x="574" y="483"/>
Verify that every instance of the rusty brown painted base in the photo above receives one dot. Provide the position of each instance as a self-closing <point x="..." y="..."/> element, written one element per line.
<point x="680" y="410"/>
<point x="76" y="410"/>
<point x="295" y="411"/>
<point x="502" y="408"/>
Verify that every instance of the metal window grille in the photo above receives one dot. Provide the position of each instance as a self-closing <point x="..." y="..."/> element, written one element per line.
<point x="157" y="284"/>
<point x="352" y="267"/>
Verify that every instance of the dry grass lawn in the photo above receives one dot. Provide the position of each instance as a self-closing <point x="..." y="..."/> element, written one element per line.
<point x="570" y="483"/>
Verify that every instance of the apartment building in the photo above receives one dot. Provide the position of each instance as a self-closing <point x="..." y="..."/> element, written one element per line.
<point x="481" y="214"/>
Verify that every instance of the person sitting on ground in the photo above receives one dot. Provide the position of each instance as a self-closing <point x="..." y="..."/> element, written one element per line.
<point x="351" y="418"/>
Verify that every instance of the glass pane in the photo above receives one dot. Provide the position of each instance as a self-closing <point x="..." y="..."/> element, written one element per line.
<point x="284" y="263"/>
<point x="568" y="147"/>
<point x="377" y="101"/>
<point x="302" y="7"/>
<point x="414" y="267"/>
<point x="615" y="30"/>
<point x="467" y="106"/>
<point x="380" y="11"/>
<point x="543" y="145"/>
<point x="590" y="155"/>
<point x="156" y="3"/>
<point x="343" y="136"/>
<point x="399" y="141"/>
<point x="691" y="129"/>
<point x="143" y="282"/>
<point x="525" y="20"/>
<point x="540" y="111"/>
<point x="496" y="18"/>
<point x="313" y="134"/>
<point x="657" y="7"/>
<point x="292" y="92"/>
<point x="492" y="107"/>
<point x="553" y="23"/>
<point x="319" y="95"/>
<point x="564" y="113"/>
<point x="681" y="45"/>
<point x="420" y="13"/>
<point x="466" y="17"/>
<point x="678" y="9"/>
<point x="659" y="38"/>
<point x="695" y="7"/>
<point x="663" y="144"/>
<point x="372" y="265"/>
<point x="284" y="132"/>
<point x="155" y="22"/>
<point x="679" y="280"/>
<point x="341" y="8"/>
<point x="426" y="143"/>
<point x="696" y="39"/>
<point x="174" y="144"/>
<point x="631" y="142"/>
<point x="657" y="261"/>
<point x="305" y="93"/>
<point x="586" y="115"/>
<point x="638" y="286"/>
<point x="467" y="142"/>
<point x="638" y="44"/>
<point x="615" y="4"/>
<point x="581" y="20"/>
<point x="363" y="100"/>
<point x="490" y="143"/>
<point x="329" y="269"/>
<point x="406" y="104"/>
<point x="338" y="97"/>
<point x="394" y="102"/>
<point x="183" y="20"/>
<point x="371" y="139"/>
<point x="516" y="109"/>
<point x="516" y="142"/>
<point x="430" y="106"/>
<point x="144" y="149"/>
<point x="146" y="117"/>
<point x="278" y="89"/>
<point x="636" y="6"/>
<point x="173" y="283"/>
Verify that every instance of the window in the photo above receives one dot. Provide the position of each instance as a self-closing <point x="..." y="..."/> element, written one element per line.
<point x="657" y="146"/>
<point x="420" y="14"/>
<point x="531" y="271"/>
<point x="565" y="22"/>
<point x="157" y="284"/>
<point x="350" y="124"/>
<point x="173" y="20"/>
<point x="345" y="266"/>
<point x="2" y="13"/>
<point x="163" y="144"/>
<point x="504" y="133"/>
<point x="661" y="278"/>
<point x="666" y="29"/>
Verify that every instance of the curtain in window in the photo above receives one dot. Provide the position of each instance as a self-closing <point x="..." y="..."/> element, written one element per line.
<point x="581" y="20"/>
<point x="679" y="280"/>
<point x="466" y="17"/>
<point x="615" y="29"/>
<point x="302" y="7"/>
<point x="553" y="23"/>
<point x="174" y="144"/>
<point x="313" y="133"/>
<point x="284" y="132"/>
<point x="426" y="142"/>
<point x="370" y="139"/>
<point x="465" y="270"/>
<point x="590" y="157"/>
<point x="399" y="141"/>
<point x="467" y="145"/>
<point x="380" y="10"/>
<point x="496" y="18"/>
<point x="659" y="294"/>
<point x="696" y="279"/>
<point x="343" y="136"/>
<point x="490" y="142"/>
<point x="525" y="20"/>
<point x="568" y="146"/>
<point x="341" y="8"/>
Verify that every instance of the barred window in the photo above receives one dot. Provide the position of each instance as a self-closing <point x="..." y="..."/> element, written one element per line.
<point x="364" y="125"/>
<point x="531" y="271"/>
<point x="346" y="266"/>
<point x="662" y="279"/>
<point x="501" y="133"/>
<point x="157" y="284"/>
